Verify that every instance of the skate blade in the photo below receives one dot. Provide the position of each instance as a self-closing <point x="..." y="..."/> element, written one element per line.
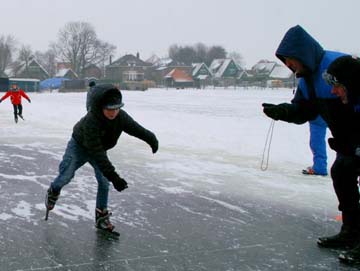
<point x="109" y="235"/>
<point x="47" y="214"/>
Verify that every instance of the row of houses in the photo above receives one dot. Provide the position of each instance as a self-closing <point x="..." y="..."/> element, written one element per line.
<point x="131" y="72"/>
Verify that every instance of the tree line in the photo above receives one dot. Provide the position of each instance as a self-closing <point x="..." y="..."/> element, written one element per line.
<point x="78" y="44"/>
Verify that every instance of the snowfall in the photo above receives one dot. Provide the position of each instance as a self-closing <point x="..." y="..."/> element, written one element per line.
<point x="220" y="194"/>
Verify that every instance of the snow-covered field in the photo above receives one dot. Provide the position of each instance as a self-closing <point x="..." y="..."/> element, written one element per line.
<point x="206" y="173"/>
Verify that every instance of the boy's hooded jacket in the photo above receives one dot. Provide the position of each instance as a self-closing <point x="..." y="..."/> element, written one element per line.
<point x="97" y="134"/>
<point x="314" y="96"/>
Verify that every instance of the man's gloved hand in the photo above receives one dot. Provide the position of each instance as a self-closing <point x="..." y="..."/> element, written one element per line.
<point x="272" y="111"/>
<point x="119" y="183"/>
<point x="29" y="101"/>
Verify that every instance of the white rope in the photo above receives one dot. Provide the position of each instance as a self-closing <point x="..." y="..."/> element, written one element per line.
<point x="266" y="153"/>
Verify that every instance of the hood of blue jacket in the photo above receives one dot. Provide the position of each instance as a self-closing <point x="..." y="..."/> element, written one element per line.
<point x="299" y="44"/>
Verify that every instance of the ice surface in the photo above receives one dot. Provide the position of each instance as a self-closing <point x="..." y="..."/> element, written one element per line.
<point x="200" y="203"/>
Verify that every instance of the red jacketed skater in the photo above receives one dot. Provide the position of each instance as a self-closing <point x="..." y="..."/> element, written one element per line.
<point x="15" y="94"/>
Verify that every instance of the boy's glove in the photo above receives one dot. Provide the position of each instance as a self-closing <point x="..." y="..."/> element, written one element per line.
<point x="272" y="111"/>
<point x="154" y="145"/>
<point x="29" y="101"/>
<point x="153" y="142"/>
<point x="119" y="183"/>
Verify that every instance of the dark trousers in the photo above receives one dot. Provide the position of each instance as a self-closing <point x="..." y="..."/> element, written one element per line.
<point x="345" y="173"/>
<point x="17" y="110"/>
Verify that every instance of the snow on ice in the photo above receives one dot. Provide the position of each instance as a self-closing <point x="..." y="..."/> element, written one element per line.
<point x="202" y="197"/>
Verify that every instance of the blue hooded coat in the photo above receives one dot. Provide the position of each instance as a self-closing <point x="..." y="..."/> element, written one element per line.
<point x="298" y="44"/>
<point x="314" y="97"/>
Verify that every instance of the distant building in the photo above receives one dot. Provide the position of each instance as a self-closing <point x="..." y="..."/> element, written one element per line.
<point x="92" y="71"/>
<point x="66" y="73"/>
<point x="201" y="75"/>
<point x="31" y="69"/>
<point x="268" y="74"/>
<point x="27" y="84"/>
<point x="281" y="76"/>
<point x="225" y="72"/>
<point x="178" y="78"/>
<point x="130" y="72"/>
<point x="160" y="67"/>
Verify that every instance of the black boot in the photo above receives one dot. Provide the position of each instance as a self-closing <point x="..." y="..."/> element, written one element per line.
<point x="51" y="198"/>
<point x="352" y="256"/>
<point x="102" y="220"/>
<point x="346" y="238"/>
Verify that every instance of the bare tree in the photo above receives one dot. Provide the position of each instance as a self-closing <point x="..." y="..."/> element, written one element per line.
<point x="201" y="52"/>
<point x="197" y="53"/>
<point x="7" y="49"/>
<point x="24" y="57"/>
<point x="78" y="44"/>
<point x="105" y="51"/>
<point x="215" y="52"/>
<point x="237" y="57"/>
<point x="47" y="60"/>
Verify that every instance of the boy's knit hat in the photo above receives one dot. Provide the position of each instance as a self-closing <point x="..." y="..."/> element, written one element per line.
<point x="112" y="100"/>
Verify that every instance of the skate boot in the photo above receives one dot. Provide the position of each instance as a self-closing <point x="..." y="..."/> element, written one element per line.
<point x="102" y="222"/>
<point x="351" y="257"/>
<point x="345" y="239"/>
<point x="16" y="119"/>
<point x="51" y="198"/>
<point x="21" y="116"/>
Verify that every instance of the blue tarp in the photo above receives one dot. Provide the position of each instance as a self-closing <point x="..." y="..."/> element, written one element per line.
<point x="52" y="83"/>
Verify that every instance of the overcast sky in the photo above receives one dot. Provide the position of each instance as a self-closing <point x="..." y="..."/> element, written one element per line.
<point x="253" y="28"/>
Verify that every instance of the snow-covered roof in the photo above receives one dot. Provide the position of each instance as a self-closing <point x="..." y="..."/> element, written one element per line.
<point x="63" y="72"/>
<point x="154" y="59"/>
<point x="23" y="66"/>
<point x="24" y="79"/>
<point x="196" y="68"/>
<point x="264" y="66"/>
<point x="202" y="76"/>
<point x="164" y="61"/>
<point x="215" y="64"/>
<point x="281" y="72"/>
<point x="218" y="66"/>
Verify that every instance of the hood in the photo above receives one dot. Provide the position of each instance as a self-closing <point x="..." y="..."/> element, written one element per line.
<point x="298" y="44"/>
<point x="98" y="94"/>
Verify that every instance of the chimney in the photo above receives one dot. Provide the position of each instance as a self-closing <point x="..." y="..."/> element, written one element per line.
<point x="110" y="59"/>
<point x="137" y="55"/>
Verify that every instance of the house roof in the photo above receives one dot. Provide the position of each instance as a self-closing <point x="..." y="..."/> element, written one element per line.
<point x="154" y="59"/>
<point x="264" y="66"/>
<point x="32" y="62"/>
<point x="129" y="60"/>
<point x="179" y="75"/>
<point x="64" y="72"/>
<point x="197" y="67"/>
<point x="219" y="66"/>
<point x="281" y="72"/>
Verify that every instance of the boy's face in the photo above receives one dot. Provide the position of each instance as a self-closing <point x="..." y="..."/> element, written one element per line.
<point x="111" y="114"/>
<point x="340" y="91"/>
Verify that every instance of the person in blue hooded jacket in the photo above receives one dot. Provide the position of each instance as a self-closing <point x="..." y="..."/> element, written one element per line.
<point x="309" y="61"/>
